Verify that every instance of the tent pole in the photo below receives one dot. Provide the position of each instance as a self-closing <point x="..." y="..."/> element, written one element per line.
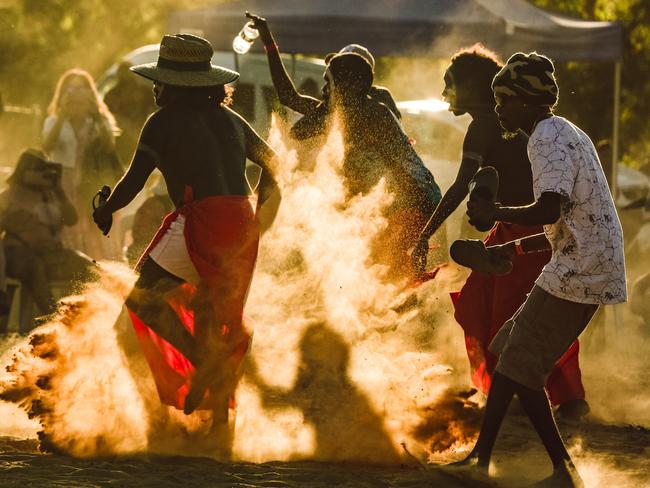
<point x="615" y="126"/>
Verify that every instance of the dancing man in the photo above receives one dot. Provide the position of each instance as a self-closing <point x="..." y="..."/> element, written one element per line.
<point x="587" y="267"/>
<point x="188" y="301"/>
<point x="487" y="301"/>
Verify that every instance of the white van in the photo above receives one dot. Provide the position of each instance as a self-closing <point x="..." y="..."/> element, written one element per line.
<point x="255" y="97"/>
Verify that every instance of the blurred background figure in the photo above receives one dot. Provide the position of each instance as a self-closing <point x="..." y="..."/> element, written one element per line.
<point x="146" y="220"/>
<point x="79" y="133"/>
<point x="4" y="298"/>
<point x="33" y="211"/>
<point x="131" y="102"/>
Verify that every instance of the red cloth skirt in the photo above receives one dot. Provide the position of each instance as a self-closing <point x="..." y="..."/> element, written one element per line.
<point x="486" y="302"/>
<point x="222" y="236"/>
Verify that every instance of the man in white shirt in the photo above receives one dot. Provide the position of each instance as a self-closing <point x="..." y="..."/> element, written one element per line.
<point x="587" y="267"/>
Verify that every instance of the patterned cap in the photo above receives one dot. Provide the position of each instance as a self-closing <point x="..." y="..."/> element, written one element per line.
<point x="529" y="76"/>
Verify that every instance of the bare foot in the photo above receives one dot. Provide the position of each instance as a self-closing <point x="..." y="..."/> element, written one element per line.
<point x="194" y="398"/>
<point x="468" y="470"/>
<point x="471" y="461"/>
<point x="566" y="476"/>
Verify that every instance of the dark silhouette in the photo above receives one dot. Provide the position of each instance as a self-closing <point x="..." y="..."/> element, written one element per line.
<point x="346" y="426"/>
<point x="187" y="305"/>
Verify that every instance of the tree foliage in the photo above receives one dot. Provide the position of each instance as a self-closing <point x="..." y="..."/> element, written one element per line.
<point x="586" y="89"/>
<point x="39" y="39"/>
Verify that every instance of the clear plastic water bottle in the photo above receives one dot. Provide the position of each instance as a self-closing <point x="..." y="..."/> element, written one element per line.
<point x="244" y="40"/>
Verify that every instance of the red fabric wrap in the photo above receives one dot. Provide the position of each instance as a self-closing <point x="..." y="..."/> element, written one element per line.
<point x="222" y="235"/>
<point x="486" y="302"/>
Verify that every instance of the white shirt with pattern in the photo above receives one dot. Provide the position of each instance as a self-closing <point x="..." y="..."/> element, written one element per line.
<point x="587" y="265"/>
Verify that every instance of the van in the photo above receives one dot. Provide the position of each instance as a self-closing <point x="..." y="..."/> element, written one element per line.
<point x="255" y="97"/>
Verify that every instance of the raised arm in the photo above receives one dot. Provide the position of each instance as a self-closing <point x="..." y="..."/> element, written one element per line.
<point x="51" y="131"/>
<point x="286" y="90"/>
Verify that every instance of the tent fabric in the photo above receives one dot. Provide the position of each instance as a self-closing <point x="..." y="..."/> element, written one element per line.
<point x="408" y="27"/>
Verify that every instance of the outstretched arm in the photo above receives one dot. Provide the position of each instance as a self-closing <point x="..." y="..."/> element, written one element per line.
<point x="127" y="188"/>
<point x="287" y="93"/>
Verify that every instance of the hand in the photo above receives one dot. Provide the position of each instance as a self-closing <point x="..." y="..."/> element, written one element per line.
<point x="262" y="27"/>
<point x="419" y="256"/>
<point x="103" y="219"/>
<point x="481" y="210"/>
<point x="501" y="255"/>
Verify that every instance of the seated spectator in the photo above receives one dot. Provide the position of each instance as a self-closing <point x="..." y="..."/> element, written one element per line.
<point x="33" y="211"/>
<point x="4" y="299"/>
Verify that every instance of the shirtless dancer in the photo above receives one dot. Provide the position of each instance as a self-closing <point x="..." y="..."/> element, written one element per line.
<point x="187" y="304"/>
<point x="486" y="301"/>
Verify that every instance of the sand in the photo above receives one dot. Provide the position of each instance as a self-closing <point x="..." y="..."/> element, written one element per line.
<point x="607" y="455"/>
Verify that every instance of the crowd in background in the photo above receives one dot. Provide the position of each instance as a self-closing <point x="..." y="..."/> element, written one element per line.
<point x="86" y="141"/>
<point x="49" y="242"/>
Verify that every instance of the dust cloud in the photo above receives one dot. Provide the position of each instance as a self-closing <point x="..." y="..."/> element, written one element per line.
<point x="344" y="365"/>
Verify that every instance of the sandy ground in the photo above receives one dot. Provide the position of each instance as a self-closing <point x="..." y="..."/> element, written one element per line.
<point x="607" y="456"/>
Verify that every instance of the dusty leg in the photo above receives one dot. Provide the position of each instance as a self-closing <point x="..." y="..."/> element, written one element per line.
<point x="217" y="344"/>
<point x="538" y="409"/>
<point x="147" y="300"/>
<point x="499" y="398"/>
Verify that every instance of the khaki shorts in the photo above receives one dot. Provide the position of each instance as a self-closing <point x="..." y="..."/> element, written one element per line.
<point x="537" y="335"/>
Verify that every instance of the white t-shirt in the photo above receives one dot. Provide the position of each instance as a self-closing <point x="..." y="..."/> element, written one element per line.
<point x="587" y="265"/>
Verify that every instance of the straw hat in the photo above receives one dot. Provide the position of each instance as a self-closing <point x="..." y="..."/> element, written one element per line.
<point x="354" y="49"/>
<point x="184" y="60"/>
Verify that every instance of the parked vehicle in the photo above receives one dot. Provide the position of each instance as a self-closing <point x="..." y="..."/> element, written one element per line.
<point x="254" y="96"/>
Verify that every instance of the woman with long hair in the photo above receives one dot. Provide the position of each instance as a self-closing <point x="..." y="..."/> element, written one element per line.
<point x="79" y="132"/>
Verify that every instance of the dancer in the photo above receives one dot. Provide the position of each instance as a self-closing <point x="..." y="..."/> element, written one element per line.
<point x="187" y="304"/>
<point x="315" y="110"/>
<point x="375" y="147"/>
<point x="587" y="268"/>
<point x="486" y="301"/>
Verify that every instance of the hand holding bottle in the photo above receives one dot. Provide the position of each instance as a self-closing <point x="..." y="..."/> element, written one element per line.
<point x="242" y="43"/>
<point x="262" y="27"/>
